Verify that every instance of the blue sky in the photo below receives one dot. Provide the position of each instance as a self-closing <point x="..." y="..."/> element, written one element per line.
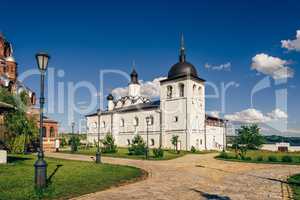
<point x="84" y="37"/>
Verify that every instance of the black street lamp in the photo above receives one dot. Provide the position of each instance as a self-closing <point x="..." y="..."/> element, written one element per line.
<point x="98" y="153"/>
<point x="147" y="150"/>
<point x="40" y="165"/>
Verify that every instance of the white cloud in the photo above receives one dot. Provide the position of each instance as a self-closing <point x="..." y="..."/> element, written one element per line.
<point x="292" y="44"/>
<point x="277" y="114"/>
<point x="252" y="115"/>
<point x="214" y="113"/>
<point x="225" y="66"/>
<point x="148" y="88"/>
<point x="273" y="66"/>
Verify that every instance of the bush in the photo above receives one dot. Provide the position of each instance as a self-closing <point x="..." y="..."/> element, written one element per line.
<point x="286" y="158"/>
<point x="63" y="142"/>
<point x="272" y="158"/>
<point x="138" y="146"/>
<point x="74" y="142"/>
<point x="109" y="144"/>
<point x="247" y="158"/>
<point x="193" y="149"/>
<point x="158" y="152"/>
<point x="259" y="158"/>
<point x="224" y="155"/>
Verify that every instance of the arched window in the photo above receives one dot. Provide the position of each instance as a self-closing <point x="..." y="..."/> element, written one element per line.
<point x="169" y="92"/>
<point x="128" y="141"/>
<point x="152" y="142"/>
<point x="181" y="90"/>
<point x="151" y="120"/>
<point x="199" y="91"/>
<point x="103" y="124"/>
<point x="136" y="121"/>
<point x="122" y="123"/>
<point x="52" y="133"/>
<point x="194" y="88"/>
<point x="44" y="131"/>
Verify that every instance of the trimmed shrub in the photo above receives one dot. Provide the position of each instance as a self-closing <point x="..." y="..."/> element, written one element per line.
<point x="272" y="158"/>
<point x="247" y="158"/>
<point x="193" y="149"/>
<point x="259" y="158"/>
<point x="224" y="155"/>
<point x="158" y="152"/>
<point x="138" y="146"/>
<point x="74" y="142"/>
<point x="109" y="144"/>
<point x="286" y="158"/>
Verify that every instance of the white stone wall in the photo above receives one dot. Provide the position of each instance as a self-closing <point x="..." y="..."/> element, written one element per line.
<point x="215" y="137"/>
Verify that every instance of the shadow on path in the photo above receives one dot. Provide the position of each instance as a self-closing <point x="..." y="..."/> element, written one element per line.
<point x="211" y="196"/>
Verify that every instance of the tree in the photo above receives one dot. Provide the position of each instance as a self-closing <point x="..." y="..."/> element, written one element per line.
<point x="248" y="137"/>
<point x="138" y="146"/>
<point x="109" y="144"/>
<point x="74" y="142"/>
<point x="22" y="131"/>
<point x="174" y="141"/>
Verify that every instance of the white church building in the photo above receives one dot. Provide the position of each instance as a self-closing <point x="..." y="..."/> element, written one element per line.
<point x="179" y="111"/>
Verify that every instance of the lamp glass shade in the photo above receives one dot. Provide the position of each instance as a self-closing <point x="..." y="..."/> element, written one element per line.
<point x="148" y="120"/>
<point x="42" y="61"/>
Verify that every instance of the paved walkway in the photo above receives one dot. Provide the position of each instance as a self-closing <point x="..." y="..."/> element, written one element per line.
<point x="197" y="177"/>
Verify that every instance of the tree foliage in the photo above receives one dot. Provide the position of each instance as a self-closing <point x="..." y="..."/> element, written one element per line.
<point x="138" y="146"/>
<point x="109" y="144"/>
<point x="174" y="141"/>
<point x="22" y="130"/>
<point x="248" y="137"/>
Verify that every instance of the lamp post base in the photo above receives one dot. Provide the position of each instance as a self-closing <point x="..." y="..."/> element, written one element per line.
<point x="40" y="172"/>
<point x="98" y="157"/>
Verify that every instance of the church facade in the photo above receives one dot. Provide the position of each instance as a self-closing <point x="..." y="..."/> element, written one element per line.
<point x="180" y="111"/>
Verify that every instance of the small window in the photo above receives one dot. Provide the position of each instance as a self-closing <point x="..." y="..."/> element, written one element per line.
<point x="103" y="124"/>
<point x="169" y="92"/>
<point x="128" y="142"/>
<point x="201" y="142"/>
<point x="194" y="88"/>
<point x="136" y="121"/>
<point x="152" y="142"/>
<point x="175" y="119"/>
<point x="122" y="123"/>
<point x="181" y="90"/>
<point x="200" y="90"/>
<point x="151" y="120"/>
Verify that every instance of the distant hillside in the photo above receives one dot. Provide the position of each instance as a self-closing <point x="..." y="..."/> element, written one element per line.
<point x="272" y="139"/>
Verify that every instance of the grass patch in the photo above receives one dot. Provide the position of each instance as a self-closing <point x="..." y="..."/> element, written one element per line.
<point x="123" y="153"/>
<point x="261" y="156"/>
<point x="294" y="182"/>
<point x="73" y="178"/>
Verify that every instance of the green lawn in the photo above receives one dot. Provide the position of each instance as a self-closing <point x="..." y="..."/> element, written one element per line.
<point x="123" y="153"/>
<point x="261" y="156"/>
<point x="73" y="178"/>
<point x="294" y="182"/>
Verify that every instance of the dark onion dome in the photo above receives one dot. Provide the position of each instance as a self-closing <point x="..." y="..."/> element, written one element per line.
<point x="134" y="77"/>
<point x="182" y="68"/>
<point x="110" y="97"/>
